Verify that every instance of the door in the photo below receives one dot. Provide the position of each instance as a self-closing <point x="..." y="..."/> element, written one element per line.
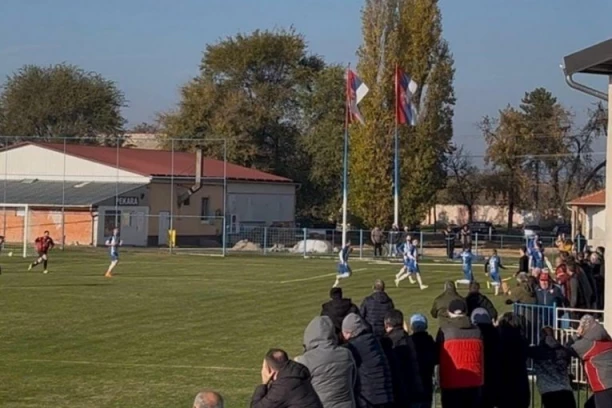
<point x="164" y="226"/>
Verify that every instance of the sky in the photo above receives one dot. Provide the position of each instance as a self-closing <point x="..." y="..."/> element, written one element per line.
<point x="150" y="48"/>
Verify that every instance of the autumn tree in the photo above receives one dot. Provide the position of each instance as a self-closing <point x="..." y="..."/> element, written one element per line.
<point x="465" y="183"/>
<point x="61" y="101"/>
<point x="407" y="33"/>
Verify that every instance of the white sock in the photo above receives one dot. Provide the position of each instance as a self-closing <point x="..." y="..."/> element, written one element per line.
<point x="418" y="277"/>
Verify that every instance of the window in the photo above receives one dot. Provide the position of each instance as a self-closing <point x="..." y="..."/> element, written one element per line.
<point x="187" y="202"/>
<point x="204" y="210"/>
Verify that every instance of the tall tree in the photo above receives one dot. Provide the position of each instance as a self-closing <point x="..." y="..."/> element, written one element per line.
<point x="247" y="92"/>
<point x="465" y="183"/>
<point x="61" y="101"/>
<point x="407" y="33"/>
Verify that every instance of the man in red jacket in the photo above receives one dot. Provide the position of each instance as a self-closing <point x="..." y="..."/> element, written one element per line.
<point x="461" y="359"/>
<point x="43" y="245"/>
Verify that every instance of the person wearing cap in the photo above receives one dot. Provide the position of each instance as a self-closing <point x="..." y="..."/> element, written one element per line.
<point x="461" y="357"/>
<point x="593" y="346"/>
<point x="337" y="308"/>
<point x="490" y="337"/>
<point x="375" y="306"/>
<point x="548" y="294"/>
<point x="427" y="356"/>
<point x="374" y="382"/>
<point x="402" y="356"/>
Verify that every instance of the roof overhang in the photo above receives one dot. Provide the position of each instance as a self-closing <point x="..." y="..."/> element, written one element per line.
<point x="596" y="60"/>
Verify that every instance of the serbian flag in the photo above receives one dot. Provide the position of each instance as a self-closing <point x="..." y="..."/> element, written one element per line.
<point x="405" y="87"/>
<point x="355" y="91"/>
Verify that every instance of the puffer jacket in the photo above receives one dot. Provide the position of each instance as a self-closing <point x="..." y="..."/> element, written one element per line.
<point x="440" y="305"/>
<point x="551" y="363"/>
<point x="337" y="310"/>
<point x="402" y="355"/>
<point x="373" y="310"/>
<point x="374" y="381"/>
<point x="332" y="369"/>
<point x="595" y="350"/>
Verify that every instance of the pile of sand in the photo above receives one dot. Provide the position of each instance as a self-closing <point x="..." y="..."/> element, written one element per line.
<point x="246" y="245"/>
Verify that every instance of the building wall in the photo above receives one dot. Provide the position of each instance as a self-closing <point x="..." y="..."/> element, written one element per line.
<point x="78" y="225"/>
<point x="37" y="162"/>
<point x="596" y="225"/>
<point x="261" y="203"/>
<point x="458" y="214"/>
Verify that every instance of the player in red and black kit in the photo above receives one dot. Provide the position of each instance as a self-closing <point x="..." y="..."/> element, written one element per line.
<point x="43" y="245"/>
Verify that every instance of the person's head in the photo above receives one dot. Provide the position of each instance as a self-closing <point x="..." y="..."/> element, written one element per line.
<point x="379" y="285"/>
<point x="523" y="251"/>
<point x="544" y="281"/>
<point x="494" y="252"/>
<point x="406" y="228"/>
<point x="348" y="244"/>
<point x="571" y="266"/>
<point x="468" y="249"/>
<point x="208" y="399"/>
<point x="352" y="326"/>
<point x="600" y="250"/>
<point x="594" y="258"/>
<point x="539" y="246"/>
<point x="466" y="227"/>
<point x="449" y="286"/>
<point x="408" y="239"/>
<point x="586" y="323"/>
<point x="481" y="316"/>
<point x="335" y="293"/>
<point x="547" y="331"/>
<point x="474" y="287"/>
<point x="580" y="257"/>
<point x="394" y="319"/>
<point x="535" y="272"/>
<point x="415" y="242"/>
<point x="562" y="236"/>
<point x="275" y="360"/>
<point x="115" y="231"/>
<point x="418" y="323"/>
<point x="46" y="233"/>
<point x="457" y="308"/>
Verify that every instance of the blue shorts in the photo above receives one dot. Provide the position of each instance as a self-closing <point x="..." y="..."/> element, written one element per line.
<point x="413" y="267"/>
<point x="344" y="268"/>
<point x="467" y="273"/>
<point x="495" y="277"/>
<point x="114" y="257"/>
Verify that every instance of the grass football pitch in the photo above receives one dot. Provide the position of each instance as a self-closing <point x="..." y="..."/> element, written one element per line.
<point x="167" y="326"/>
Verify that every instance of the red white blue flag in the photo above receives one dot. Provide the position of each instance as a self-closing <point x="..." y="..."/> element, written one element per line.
<point x="405" y="88"/>
<point x="355" y="91"/>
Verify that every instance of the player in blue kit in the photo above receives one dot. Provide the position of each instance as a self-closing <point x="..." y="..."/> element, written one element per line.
<point x="411" y="268"/>
<point x="344" y="270"/>
<point x="466" y="260"/>
<point x="406" y="250"/>
<point x="113" y="243"/>
<point x="492" y="269"/>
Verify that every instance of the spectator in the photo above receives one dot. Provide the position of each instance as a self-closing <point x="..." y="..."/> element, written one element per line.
<point x="523" y="292"/>
<point x="512" y="363"/>
<point x="374" y="382"/>
<point x="548" y="294"/>
<point x="594" y="347"/>
<point x="466" y="237"/>
<point x="208" y="399"/>
<point x="597" y="267"/>
<point x="490" y="338"/>
<point x="581" y="294"/>
<point x="407" y="387"/>
<point x="395" y="240"/>
<point x="551" y="363"/>
<point x="523" y="261"/>
<point x="440" y="305"/>
<point x="374" y="308"/>
<point x="333" y="373"/>
<point x="427" y="356"/>
<point x="449" y="238"/>
<point x="461" y="352"/>
<point x="337" y="308"/>
<point x="284" y="384"/>
<point x="580" y="242"/>
<point x="377" y="237"/>
<point x="476" y="300"/>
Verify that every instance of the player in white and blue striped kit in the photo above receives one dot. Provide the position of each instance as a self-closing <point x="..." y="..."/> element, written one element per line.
<point x="113" y="243"/>
<point x="466" y="258"/>
<point x="411" y="268"/>
<point x="492" y="269"/>
<point x="344" y="270"/>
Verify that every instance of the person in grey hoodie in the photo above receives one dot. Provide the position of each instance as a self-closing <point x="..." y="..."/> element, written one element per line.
<point x="332" y="368"/>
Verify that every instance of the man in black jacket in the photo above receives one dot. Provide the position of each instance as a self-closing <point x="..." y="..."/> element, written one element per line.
<point x="402" y="355"/>
<point x="375" y="307"/>
<point x="337" y="308"/>
<point x="284" y="383"/>
<point x="374" y="382"/>
<point x="476" y="300"/>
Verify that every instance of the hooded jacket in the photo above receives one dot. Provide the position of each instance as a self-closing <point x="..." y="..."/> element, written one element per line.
<point x="373" y="310"/>
<point x="337" y="310"/>
<point x="332" y="368"/>
<point x="523" y="293"/>
<point x="440" y="305"/>
<point x="595" y="349"/>
<point x="551" y="362"/>
<point x="290" y="389"/>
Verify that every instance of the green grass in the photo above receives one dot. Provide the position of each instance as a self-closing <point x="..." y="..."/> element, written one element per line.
<point x="165" y="326"/>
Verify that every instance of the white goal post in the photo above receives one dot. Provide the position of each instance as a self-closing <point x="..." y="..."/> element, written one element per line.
<point x="15" y="227"/>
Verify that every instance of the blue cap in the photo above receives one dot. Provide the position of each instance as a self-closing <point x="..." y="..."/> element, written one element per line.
<point x="418" y="322"/>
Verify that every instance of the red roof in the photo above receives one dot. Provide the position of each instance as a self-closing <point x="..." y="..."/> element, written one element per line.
<point x="160" y="162"/>
<point x="597" y="198"/>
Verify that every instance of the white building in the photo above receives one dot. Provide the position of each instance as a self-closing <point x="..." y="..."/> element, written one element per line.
<point x="589" y="215"/>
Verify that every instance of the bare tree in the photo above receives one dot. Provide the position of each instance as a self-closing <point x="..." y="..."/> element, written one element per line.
<point x="464" y="180"/>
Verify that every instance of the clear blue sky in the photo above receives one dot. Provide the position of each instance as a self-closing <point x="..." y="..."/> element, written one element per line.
<point x="502" y="48"/>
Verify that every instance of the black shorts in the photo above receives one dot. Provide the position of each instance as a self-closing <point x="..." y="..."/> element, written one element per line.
<point x="41" y="253"/>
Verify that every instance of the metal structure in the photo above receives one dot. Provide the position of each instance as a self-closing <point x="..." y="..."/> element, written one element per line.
<point x="597" y="60"/>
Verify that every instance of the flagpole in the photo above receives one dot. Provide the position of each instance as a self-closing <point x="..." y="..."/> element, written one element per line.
<point x="345" y="167"/>
<point x="396" y="158"/>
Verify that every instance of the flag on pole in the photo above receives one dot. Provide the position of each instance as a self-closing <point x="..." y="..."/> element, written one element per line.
<point x="405" y="88"/>
<point x="355" y="91"/>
